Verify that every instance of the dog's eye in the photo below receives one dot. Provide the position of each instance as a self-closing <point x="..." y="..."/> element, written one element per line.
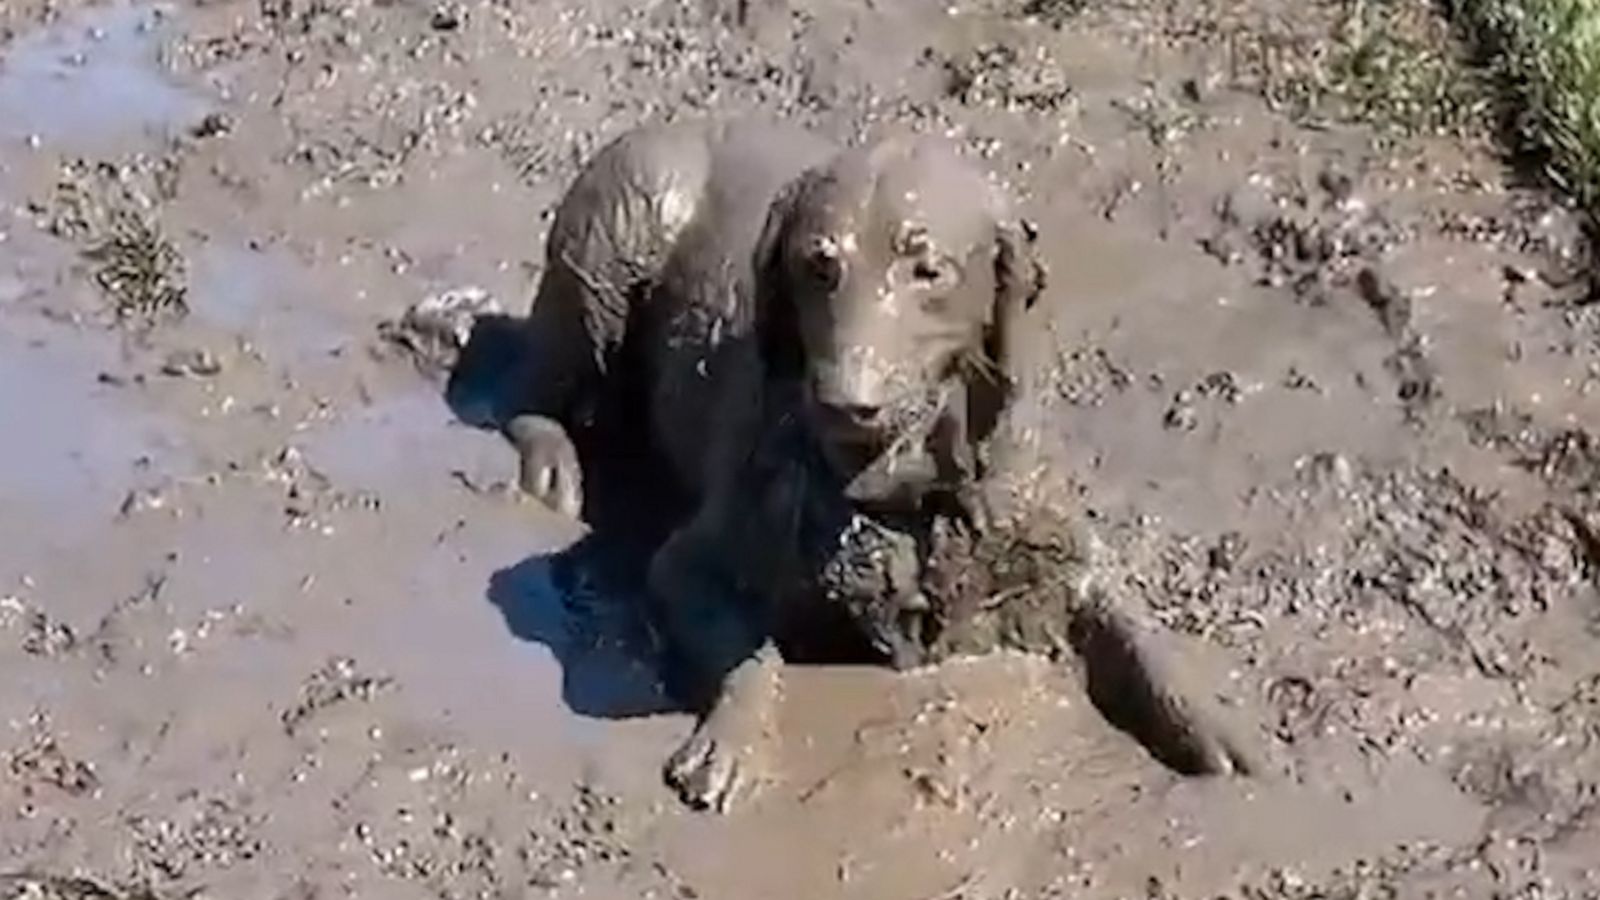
<point x="822" y="265"/>
<point x="914" y="240"/>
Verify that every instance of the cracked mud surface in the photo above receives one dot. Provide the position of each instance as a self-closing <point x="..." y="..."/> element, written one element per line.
<point x="1320" y="374"/>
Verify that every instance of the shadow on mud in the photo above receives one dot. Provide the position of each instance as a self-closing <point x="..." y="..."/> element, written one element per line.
<point x="588" y="602"/>
<point x="574" y="602"/>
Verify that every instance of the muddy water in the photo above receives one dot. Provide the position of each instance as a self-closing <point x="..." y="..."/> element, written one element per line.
<point x="75" y="445"/>
<point x="262" y="296"/>
<point x="93" y="77"/>
<point x="83" y="448"/>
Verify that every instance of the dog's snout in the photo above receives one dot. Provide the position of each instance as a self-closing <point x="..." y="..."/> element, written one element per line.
<point x="849" y="421"/>
<point x="852" y="434"/>
<point x="857" y="382"/>
<point x="858" y="413"/>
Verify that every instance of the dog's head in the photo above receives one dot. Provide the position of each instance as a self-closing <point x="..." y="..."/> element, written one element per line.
<point x="882" y="275"/>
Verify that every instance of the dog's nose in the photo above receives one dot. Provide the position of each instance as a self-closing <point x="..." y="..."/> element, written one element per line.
<point x="853" y="379"/>
<point x="860" y="414"/>
<point x="850" y="433"/>
<point x="860" y="423"/>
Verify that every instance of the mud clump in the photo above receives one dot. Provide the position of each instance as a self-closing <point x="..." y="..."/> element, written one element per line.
<point x="1088" y="376"/>
<point x="139" y="269"/>
<point x="1314" y="242"/>
<point x="996" y="76"/>
<point x="32" y="886"/>
<point x="207" y="833"/>
<point x="434" y="332"/>
<point x="1567" y="458"/>
<point x="1218" y="387"/>
<point x="1418" y="383"/>
<point x="41" y="634"/>
<point x="1024" y="585"/>
<point x="1325" y="246"/>
<point x="1015" y="586"/>
<point x="957" y="591"/>
<point x="336" y="682"/>
<point x="44" y="763"/>
<point x="1055" y="13"/>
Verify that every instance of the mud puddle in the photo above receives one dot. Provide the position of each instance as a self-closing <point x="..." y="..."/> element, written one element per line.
<point x="75" y="446"/>
<point x="93" y="76"/>
<point x="379" y="447"/>
<point x="264" y="297"/>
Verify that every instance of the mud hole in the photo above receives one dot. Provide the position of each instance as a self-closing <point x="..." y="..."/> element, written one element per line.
<point x="1319" y="379"/>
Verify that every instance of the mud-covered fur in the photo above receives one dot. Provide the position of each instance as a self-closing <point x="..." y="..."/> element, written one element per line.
<point x="889" y="308"/>
<point x="808" y="337"/>
<point x="674" y="239"/>
<point x="925" y="589"/>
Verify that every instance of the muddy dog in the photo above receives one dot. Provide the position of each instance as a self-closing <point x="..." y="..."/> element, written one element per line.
<point x="810" y="334"/>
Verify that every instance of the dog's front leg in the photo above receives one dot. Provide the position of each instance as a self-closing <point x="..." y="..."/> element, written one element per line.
<point x="1155" y="688"/>
<point x="731" y="753"/>
<point x="548" y="469"/>
<point x="721" y="636"/>
<point x="956" y="459"/>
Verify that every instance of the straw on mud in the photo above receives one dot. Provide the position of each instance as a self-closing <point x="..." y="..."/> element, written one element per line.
<point x="1547" y="53"/>
<point x="139" y="269"/>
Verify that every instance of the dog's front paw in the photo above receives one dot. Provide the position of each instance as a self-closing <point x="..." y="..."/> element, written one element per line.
<point x="1210" y="736"/>
<point x="549" y="464"/>
<point x="1160" y="692"/>
<point x="719" y="766"/>
<point x="732" y="752"/>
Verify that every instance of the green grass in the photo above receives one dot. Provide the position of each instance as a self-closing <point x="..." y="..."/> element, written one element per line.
<point x="1393" y="65"/>
<point x="1547" y="54"/>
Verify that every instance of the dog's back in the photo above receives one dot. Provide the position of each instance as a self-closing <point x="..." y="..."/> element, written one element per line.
<point x="651" y="251"/>
<point x="701" y="359"/>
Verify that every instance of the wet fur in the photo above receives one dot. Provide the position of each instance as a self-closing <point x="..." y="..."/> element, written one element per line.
<point x="666" y="319"/>
<point x="655" y="320"/>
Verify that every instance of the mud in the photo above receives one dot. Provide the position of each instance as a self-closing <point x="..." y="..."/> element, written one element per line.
<point x="1321" y="383"/>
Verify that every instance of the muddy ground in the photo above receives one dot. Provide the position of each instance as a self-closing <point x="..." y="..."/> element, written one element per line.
<point x="1320" y="369"/>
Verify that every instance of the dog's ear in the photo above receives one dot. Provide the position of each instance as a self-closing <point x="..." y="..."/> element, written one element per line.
<point x="1019" y="278"/>
<point x="776" y="326"/>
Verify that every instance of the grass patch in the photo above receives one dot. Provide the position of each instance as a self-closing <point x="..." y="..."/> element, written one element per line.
<point x="1390" y="64"/>
<point x="1394" y="64"/>
<point x="1545" y="54"/>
